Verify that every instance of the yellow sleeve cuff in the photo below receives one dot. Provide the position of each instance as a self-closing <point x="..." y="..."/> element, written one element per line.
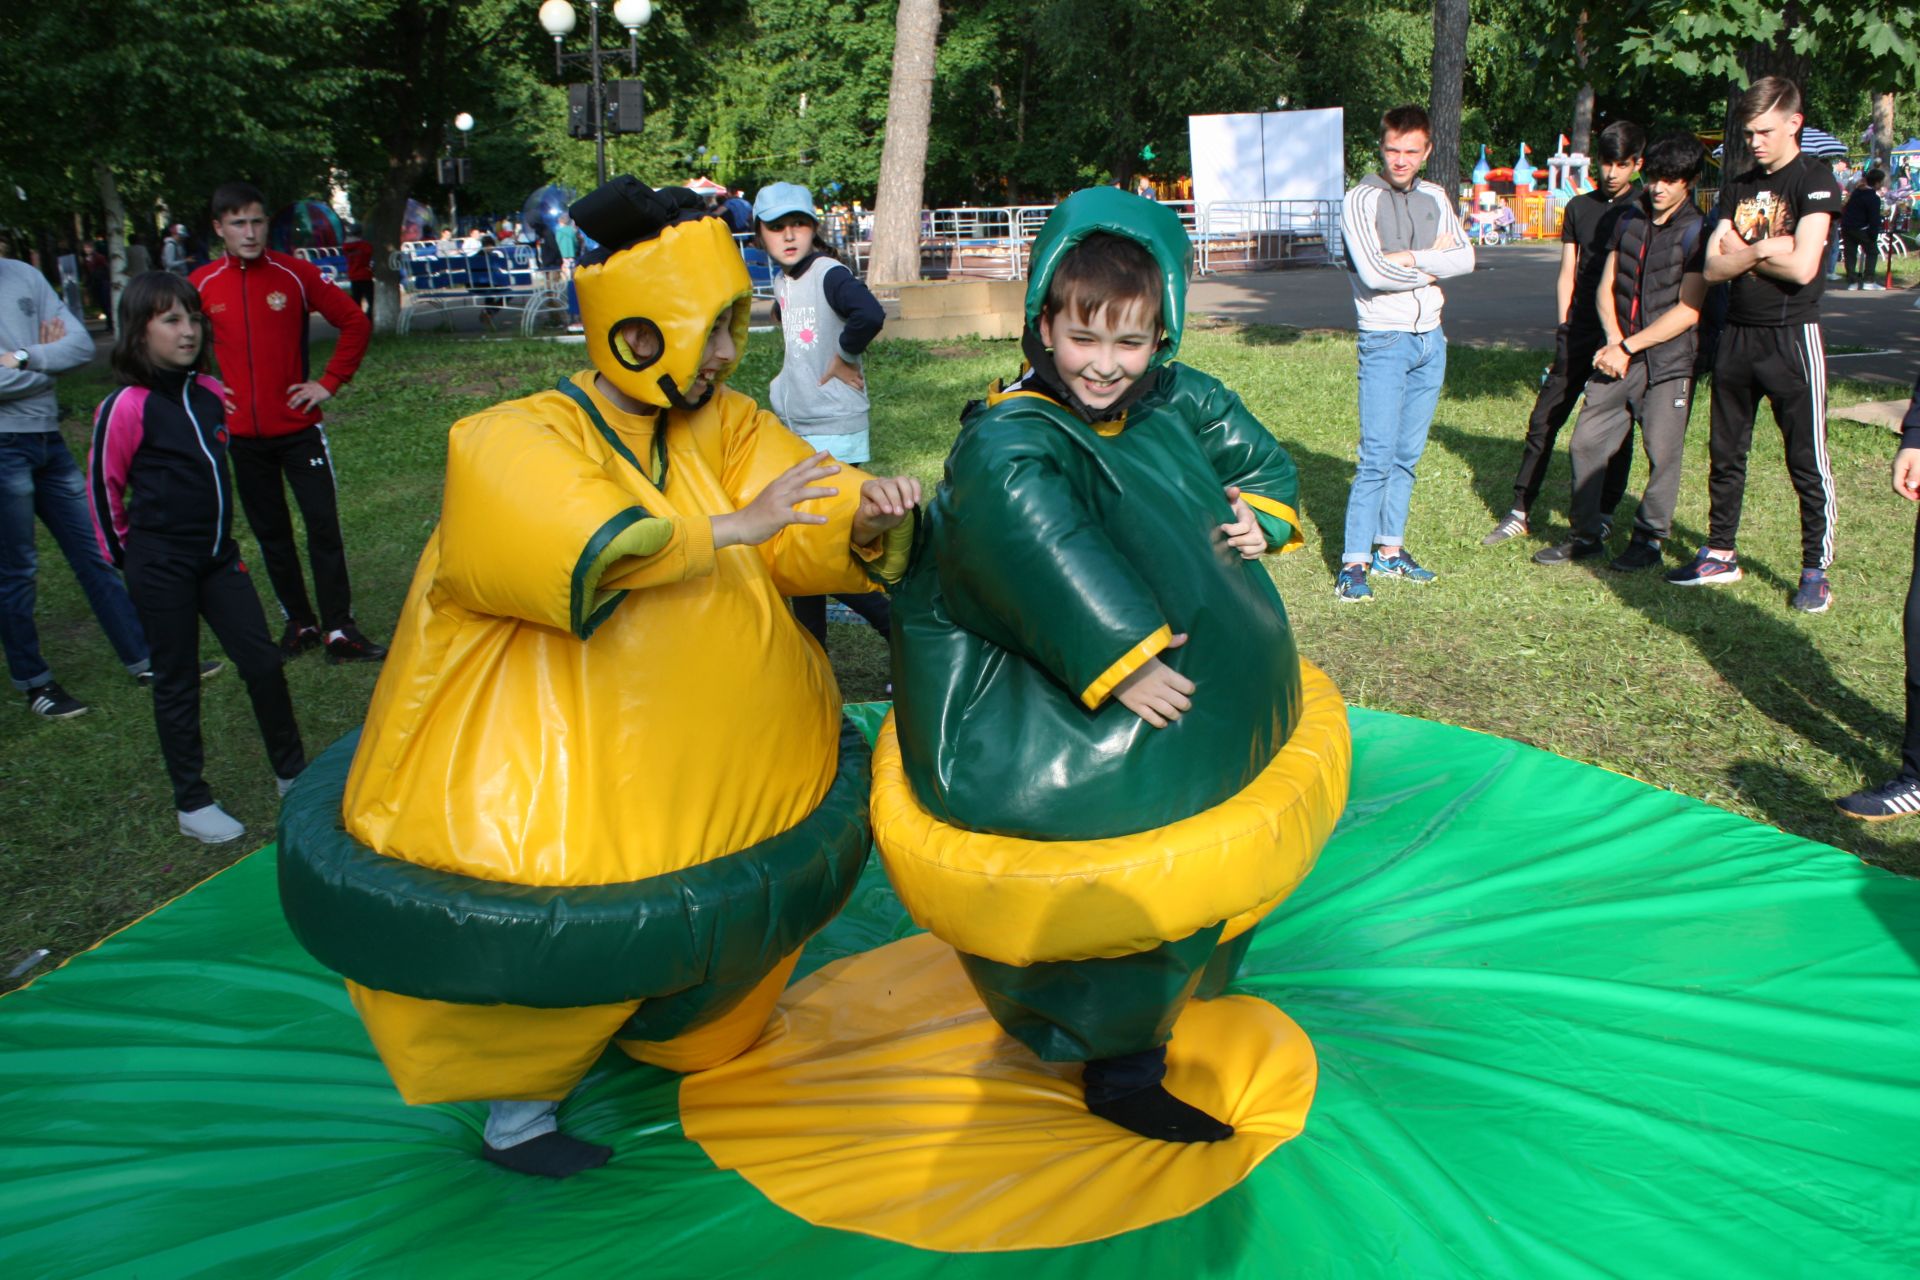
<point x="1279" y="511"/>
<point x="1129" y="662"/>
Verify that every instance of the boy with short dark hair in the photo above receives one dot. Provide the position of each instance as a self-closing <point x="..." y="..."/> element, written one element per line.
<point x="1775" y="220"/>
<point x="1651" y="292"/>
<point x="257" y="303"/>
<point x="1586" y="231"/>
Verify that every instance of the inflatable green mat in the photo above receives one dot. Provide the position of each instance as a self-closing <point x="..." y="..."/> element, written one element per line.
<point x="1566" y="1024"/>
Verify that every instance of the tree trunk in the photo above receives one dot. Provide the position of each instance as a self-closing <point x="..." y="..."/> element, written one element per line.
<point x="903" y="156"/>
<point x="1883" y="135"/>
<point x="1582" y="135"/>
<point x="382" y="231"/>
<point x="116" y="235"/>
<point x="1582" y="143"/>
<point x="1449" y="74"/>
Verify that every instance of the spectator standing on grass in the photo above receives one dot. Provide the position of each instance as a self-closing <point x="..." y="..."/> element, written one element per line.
<point x="1899" y="797"/>
<point x="1586" y="233"/>
<point x="1861" y="222"/>
<point x="1652" y="288"/>
<point x="1403" y="236"/>
<point x="1772" y="233"/>
<point x="163" y="510"/>
<point x="827" y="318"/>
<point x="257" y="303"/>
<point x="39" y="338"/>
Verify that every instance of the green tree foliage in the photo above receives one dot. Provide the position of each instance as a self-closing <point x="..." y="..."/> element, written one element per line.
<point x="1032" y="98"/>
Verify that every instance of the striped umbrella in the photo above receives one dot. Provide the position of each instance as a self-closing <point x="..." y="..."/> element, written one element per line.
<point x="1818" y="142"/>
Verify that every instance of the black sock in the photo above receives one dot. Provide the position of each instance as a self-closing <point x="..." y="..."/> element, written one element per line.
<point x="551" y="1155"/>
<point x="1152" y="1112"/>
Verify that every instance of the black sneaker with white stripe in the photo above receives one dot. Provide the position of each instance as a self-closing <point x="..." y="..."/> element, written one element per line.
<point x="1899" y="798"/>
<point x="50" y="702"/>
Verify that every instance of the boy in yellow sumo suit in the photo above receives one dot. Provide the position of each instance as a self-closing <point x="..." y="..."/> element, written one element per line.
<point x="604" y="792"/>
<point x="1106" y="761"/>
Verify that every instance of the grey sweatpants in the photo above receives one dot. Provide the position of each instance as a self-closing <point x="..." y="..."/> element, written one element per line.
<point x="1613" y="406"/>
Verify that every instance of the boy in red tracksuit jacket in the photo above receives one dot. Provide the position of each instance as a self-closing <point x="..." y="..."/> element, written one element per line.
<point x="257" y="302"/>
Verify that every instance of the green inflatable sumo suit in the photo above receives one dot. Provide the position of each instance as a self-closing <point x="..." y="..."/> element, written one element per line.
<point x="1094" y="872"/>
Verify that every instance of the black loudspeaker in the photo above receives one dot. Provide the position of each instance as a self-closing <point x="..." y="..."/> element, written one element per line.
<point x="579" y="113"/>
<point x="626" y="106"/>
<point x="455" y="171"/>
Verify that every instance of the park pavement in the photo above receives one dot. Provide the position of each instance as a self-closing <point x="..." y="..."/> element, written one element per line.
<point x="1508" y="300"/>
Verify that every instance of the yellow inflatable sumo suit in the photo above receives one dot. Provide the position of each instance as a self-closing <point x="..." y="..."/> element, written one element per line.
<point x="604" y="791"/>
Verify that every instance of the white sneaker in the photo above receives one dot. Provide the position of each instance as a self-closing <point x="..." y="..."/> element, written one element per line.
<point x="1853" y="288"/>
<point x="1871" y="287"/>
<point x="210" y="825"/>
<point x="285" y="784"/>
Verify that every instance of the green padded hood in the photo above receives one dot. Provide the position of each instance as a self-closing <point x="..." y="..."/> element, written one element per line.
<point x="1119" y="213"/>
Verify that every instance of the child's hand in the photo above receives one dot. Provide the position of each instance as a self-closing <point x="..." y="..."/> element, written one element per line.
<point x="847" y="373"/>
<point x="884" y="503"/>
<point x="773" y="508"/>
<point x="1156" y="692"/>
<point x="1244" y="534"/>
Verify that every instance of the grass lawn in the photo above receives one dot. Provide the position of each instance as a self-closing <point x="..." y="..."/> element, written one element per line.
<point x="1724" y="694"/>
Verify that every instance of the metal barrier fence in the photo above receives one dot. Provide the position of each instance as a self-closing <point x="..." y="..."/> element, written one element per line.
<point x="1260" y="235"/>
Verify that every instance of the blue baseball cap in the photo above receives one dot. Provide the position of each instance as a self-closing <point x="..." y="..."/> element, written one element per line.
<point x="772" y="203"/>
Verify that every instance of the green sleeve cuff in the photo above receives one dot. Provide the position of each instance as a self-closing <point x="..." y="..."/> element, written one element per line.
<point x="631" y="533"/>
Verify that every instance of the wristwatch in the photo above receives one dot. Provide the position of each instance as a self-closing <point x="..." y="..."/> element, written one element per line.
<point x="20" y="356"/>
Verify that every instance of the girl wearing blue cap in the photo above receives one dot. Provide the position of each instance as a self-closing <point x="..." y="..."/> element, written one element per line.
<point x="827" y="318"/>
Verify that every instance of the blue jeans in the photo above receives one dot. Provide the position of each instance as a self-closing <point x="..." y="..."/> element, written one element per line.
<point x="1400" y="377"/>
<point x="39" y="477"/>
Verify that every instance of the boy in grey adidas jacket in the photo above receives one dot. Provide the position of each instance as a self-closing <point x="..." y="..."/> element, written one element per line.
<point x="1402" y="237"/>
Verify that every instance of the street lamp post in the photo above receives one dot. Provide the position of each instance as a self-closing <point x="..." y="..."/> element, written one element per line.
<point x="464" y="123"/>
<point x="559" y="19"/>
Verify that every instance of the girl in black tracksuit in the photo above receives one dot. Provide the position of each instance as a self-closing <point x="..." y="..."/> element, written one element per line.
<point x="162" y="500"/>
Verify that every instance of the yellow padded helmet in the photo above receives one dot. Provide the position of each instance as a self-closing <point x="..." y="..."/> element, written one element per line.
<point x="665" y="263"/>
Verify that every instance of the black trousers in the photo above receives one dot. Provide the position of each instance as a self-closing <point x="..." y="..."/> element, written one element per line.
<point x="1573" y="353"/>
<point x="1786" y="364"/>
<point x="1861" y="244"/>
<point x="264" y="468"/>
<point x="174" y="585"/>
<point x="362" y="291"/>
<point x="871" y="605"/>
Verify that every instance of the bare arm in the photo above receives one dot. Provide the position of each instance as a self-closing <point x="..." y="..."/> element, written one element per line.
<point x="1563" y="286"/>
<point x="1603" y="302"/>
<point x="1728" y="256"/>
<point x="1678" y="318"/>
<point x="1801" y="263"/>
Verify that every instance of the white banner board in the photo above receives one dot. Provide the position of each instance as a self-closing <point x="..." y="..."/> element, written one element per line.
<point x="1268" y="155"/>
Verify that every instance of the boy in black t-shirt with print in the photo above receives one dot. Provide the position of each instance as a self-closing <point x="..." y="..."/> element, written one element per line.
<point x="1771" y="243"/>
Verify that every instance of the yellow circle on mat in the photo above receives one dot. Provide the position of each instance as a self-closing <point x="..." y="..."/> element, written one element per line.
<point x="882" y="1099"/>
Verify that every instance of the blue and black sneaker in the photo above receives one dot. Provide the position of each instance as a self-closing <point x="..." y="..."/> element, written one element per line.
<point x="1899" y="798"/>
<point x="1814" y="595"/>
<point x="1351" y="586"/>
<point x="1401" y="565"/>
<point x="1706" y="571"/>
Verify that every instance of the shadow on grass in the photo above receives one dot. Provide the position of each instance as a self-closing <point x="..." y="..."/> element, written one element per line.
<point x="1792" y="804"/>
<point x="1324" y="483"/>
<point x="1770" y="662"/>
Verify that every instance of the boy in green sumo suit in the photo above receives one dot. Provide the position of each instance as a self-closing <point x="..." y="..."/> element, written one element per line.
<point x="1095" y="779"/>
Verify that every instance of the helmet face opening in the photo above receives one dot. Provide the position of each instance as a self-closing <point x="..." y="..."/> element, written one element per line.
<point x="623" y="351"/>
